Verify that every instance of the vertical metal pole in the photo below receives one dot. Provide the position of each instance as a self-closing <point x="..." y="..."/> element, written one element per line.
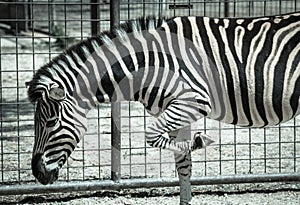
<point x="95" y="15"/>
<point x="53" y="18"/>
<point x="226" y="8"/>
<point x="1" y="117"/>
<point x="114" y="13"/>
<point x="115" y="108"/>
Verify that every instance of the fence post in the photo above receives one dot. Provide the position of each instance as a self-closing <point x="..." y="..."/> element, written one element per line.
<point x="226" y="8"/>
<point x="115" y="109"/>
<point x="95" y="15"/>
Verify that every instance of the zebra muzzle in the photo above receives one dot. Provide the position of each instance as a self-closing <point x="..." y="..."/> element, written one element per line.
<point x="40" y="172"/>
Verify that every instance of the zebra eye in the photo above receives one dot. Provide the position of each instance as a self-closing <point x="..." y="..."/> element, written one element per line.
<point x="51" y="122"/>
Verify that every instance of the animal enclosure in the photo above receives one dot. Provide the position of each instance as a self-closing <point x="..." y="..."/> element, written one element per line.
<point x="33" y="32"/>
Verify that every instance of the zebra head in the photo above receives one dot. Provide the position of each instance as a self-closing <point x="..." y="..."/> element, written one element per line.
<point x="59" y="125"/>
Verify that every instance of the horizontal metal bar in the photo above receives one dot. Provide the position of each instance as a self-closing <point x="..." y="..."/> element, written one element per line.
<point x="181" y="6"/>
<point x="144" y="183"/>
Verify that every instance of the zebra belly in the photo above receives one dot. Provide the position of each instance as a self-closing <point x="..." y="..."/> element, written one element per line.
<point x="258" y="111"/>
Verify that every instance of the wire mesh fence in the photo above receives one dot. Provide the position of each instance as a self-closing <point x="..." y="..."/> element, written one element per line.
<point x="47" y="27"/>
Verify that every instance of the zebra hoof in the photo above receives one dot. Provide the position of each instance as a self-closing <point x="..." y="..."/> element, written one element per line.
<point x="201" y="141"/>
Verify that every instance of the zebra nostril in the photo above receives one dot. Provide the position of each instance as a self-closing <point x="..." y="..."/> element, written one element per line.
<point x="40" y="175"/>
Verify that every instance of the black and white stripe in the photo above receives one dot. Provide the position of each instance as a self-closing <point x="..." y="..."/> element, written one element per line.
<point x="239" y="71"/>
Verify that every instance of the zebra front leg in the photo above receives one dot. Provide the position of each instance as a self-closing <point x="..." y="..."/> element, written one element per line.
<point x="184" y="161"/>
<point x="184" y="171"/>
<point x="183" y="166"/>
<point x="178" y="115"/>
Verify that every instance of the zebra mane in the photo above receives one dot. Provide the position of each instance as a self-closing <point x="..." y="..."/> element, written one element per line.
<point x="38" y="84"/>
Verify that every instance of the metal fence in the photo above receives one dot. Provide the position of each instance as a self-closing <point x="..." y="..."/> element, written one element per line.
<point x="46" y="27"/>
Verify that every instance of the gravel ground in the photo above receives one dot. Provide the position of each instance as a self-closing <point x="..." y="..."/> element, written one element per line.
<point x="243" y="194"/>
<point x="277" y="198"/>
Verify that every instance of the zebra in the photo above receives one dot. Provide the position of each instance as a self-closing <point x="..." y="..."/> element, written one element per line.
<point x="241" y="71"/>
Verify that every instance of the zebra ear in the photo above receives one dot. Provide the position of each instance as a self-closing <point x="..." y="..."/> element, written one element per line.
<point x="57" y="93"/>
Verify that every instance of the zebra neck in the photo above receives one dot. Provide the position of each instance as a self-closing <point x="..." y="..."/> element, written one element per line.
<point x="123" y="72"/>
<point x="130" y="67"/>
